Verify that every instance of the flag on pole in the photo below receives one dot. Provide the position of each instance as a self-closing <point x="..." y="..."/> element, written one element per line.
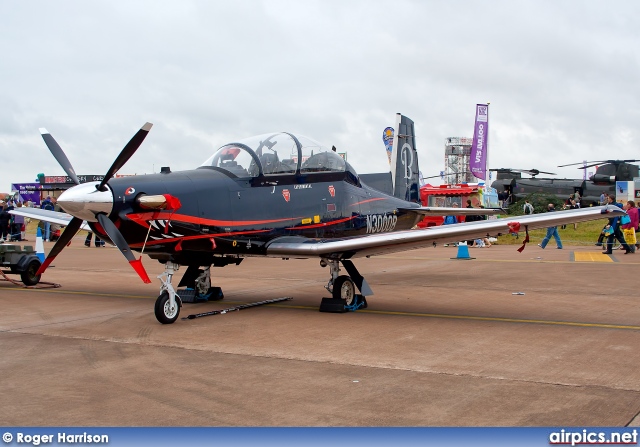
<point x="478" y="158"/>
<point x="387" y="138"/>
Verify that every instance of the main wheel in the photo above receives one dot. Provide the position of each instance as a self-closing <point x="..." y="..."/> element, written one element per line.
<point x="344" y="289"/>
<point x="29" y="277"/>
<point x="166" y="314"/>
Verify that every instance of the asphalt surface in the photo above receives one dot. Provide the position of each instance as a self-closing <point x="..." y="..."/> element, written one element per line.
<point x="444" y="342"/>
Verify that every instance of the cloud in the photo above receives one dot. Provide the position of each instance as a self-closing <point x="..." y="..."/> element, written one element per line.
<point x="561" y="78"/>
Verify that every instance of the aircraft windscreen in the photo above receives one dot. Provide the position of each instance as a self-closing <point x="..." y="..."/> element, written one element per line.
<point x="317" y="158"/>
<point x="278" y="154"/>
<point x="235" y="159"/>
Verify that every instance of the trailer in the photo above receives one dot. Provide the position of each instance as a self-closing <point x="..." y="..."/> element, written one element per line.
<point x="22" y="261"/>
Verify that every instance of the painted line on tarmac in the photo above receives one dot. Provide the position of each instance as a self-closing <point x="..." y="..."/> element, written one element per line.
<point x="375" y="312"/>
<point x="591" y="256"/>
<point x="71" y="292"/>
<point x="471" y="317"/>
<point x="506" y="320"/>
<point x="530" y="260"/>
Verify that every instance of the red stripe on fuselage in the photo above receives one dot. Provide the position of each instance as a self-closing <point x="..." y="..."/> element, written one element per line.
<point x="142" y="218"/>
<point x="369" y="200"/>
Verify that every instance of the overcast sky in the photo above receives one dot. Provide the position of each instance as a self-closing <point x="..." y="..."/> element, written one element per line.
<point x="562" y="78"/>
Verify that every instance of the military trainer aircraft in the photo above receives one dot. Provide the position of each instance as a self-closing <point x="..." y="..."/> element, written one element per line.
<point x="277" y="195"/>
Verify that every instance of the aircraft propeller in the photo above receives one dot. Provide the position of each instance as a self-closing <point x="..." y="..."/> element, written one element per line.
<point x="72" y="201"/>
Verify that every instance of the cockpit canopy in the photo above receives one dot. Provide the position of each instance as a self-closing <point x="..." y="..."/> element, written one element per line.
<point x="276" y="154"/>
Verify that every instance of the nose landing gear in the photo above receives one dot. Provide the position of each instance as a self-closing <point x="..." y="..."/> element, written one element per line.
<point x="168" y="304"/>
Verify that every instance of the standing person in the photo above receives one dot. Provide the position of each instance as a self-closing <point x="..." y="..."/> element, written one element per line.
<point x="47" y="204"/>
<point x="5" y="217"/>
<point x="18" y="221"/>
<point x="574" y="206"/>
<point x="527" y="207"/>
<point x="448" y="220"/>
<point x="616" y="232"/>
<point x="629" y="229"/>
<point x="99" y="242"/>
<point x="551" y="231"/>
<point x="471" y="218"/>
<point x="577" y="198"/>
<point x="603" y="198"/>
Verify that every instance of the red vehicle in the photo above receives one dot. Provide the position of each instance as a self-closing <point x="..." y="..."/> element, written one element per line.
<point x="447" y="195"/>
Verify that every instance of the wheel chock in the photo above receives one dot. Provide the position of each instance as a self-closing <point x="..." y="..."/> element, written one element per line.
<point x="333" y="305"/>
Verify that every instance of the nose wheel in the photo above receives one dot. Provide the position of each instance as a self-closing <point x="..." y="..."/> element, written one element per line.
<point x="166" y="312"/>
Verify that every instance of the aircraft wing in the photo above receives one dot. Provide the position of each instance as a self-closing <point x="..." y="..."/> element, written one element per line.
<point x="450" y="211"/>
<point x="378" y="244"/>
<point x="54" y="217"/>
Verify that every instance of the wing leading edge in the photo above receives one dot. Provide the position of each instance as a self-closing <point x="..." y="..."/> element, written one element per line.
<point x="377" y="244"/>
<point x="47" y="216"/>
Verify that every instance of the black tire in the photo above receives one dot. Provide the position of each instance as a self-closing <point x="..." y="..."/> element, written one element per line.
<point x="344" y="289"/>
<point x="164" y="314"/>
<point x="28" y="276"/>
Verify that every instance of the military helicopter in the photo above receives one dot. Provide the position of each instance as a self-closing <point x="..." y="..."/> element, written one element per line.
<point x="511" y="184"/>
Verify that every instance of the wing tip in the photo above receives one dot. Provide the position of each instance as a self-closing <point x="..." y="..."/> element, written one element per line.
<point x="44" y="131"/>
<point x="147" y="126"/>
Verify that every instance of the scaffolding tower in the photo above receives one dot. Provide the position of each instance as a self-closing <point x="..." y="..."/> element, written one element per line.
<point x="457" y="151"/>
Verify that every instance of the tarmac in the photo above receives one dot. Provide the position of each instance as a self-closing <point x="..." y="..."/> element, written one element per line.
<point x="539" y="338"/>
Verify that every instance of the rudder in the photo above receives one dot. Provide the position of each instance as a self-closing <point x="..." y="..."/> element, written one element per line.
<point x="404" y="161"/>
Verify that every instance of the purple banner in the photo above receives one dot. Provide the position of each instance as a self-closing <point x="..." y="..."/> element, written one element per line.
<point x="28" y="191"/>
<point x="478" y="158"/>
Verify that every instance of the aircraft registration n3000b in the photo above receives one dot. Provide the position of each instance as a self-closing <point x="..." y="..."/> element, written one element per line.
<point x="276" y="195"/>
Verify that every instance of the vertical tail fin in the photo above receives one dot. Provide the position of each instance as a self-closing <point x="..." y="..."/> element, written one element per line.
<point x="405" y="173"/>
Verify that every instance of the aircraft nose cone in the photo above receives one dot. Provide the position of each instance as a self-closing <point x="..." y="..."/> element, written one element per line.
<point x="84" y="201"/>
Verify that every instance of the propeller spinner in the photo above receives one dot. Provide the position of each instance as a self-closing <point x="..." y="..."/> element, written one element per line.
<point x="93" y="201"/>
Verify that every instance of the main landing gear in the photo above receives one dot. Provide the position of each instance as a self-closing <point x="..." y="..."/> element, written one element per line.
<point x="343" y="287"/>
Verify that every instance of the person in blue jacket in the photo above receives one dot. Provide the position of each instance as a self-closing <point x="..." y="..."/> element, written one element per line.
<point x="551" y="231"/>
<point x="448" y="220"/>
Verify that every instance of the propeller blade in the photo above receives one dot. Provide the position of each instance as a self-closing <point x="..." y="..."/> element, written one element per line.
<point x="59" y="155"/>
<point x="117" y="238"/>
<point x="126" y="153"/>
<point x="65" y="238"/>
